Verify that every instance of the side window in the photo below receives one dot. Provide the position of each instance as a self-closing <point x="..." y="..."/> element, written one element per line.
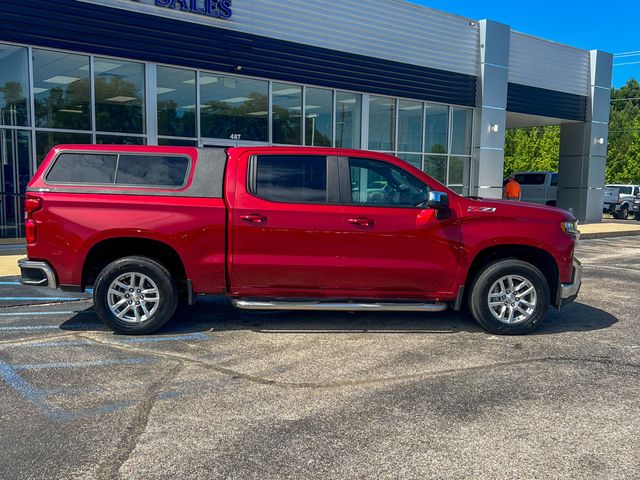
<point x="554" y="179"/>
<point x="521" y="178"/>
<point x="83" y="168"/>
<point x="152" y="170"/>
<point x="290" y="178"/>
<point x="378" y="183"/>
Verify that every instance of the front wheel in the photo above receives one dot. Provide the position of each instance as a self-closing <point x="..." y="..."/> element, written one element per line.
<point x="623" y="214"/>
<point x="135" y="295"/>
<point x="637" y="215"/>
<point x="509" y="297"/>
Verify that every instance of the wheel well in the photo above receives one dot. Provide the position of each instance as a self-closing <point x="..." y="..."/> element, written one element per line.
<point x="542" y="260"/>
<point x="105" y="252"/>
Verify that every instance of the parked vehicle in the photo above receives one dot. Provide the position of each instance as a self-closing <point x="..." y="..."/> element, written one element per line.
<point x="286" y="228"/>
<point x="636" y="207"/>
<point x="538" y="187"/>
<point x="624" y="201"/>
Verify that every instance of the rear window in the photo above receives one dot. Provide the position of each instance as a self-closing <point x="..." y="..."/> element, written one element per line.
<point x="83" y="168"/>
<point x="530" y="178"/>
<point x="120" y="169"/>
<point x="291" y="178"/>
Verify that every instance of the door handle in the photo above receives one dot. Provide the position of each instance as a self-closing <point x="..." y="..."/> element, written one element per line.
<point x="254" y="218"/>
<point x="362" y="222"/>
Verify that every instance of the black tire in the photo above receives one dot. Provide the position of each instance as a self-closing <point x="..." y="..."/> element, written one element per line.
<point x="637" y="215"/>
<point x="479" y="292"/>
<point x="158" y="273"/>
<point x="623" y="214"/>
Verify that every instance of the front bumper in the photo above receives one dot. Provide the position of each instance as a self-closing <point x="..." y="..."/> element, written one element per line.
<point x="36" y="274"/>
<point x="569" y="291"/>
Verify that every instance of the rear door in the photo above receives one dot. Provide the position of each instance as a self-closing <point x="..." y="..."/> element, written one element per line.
<point x="285" y="224"/>
<point x="390" y="244"/>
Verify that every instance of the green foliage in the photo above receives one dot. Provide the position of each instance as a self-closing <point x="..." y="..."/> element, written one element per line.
<point x="532" y="149"/>
<point x="538" y="148"/>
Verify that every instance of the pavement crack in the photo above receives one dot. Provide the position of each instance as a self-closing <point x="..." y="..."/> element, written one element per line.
<point x="110" y="467"/>
<point x="350" y="383"/>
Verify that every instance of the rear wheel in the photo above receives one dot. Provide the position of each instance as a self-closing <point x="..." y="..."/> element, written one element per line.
<point x="623" y="214"/>
<point x="509" y="297"/>
<point x="135" y="295"/>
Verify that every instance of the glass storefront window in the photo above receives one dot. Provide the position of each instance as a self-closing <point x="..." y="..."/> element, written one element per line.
<point x="14" y="86"/>
<point x="176" y="90"/>
<point x="437" y="129"/>
<point x="119" y="140"/>
<point x="45" y="141"/>
<point x="176" y="142"/>
<point x="16" y="171"/>
<point x="119" y="90"/>
<point x="436" y="167"/>
<point x="62" y="91"/>
<point x="459" y="171"/>
<point x="413" y="159"/>
<point x="318" y="117"/>
<point x="462" y="119"/>
<point x="348" y="120"/>
<point x="382" y="123"/>
<point x="287" y="118"/>
<point x="234" y="106"/>
<point x="410" y="126"/>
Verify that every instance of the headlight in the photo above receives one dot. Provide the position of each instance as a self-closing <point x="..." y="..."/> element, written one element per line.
<point x="570" y="228"/>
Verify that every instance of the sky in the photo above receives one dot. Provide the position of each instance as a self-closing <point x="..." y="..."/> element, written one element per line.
<point x="612" y="27"/>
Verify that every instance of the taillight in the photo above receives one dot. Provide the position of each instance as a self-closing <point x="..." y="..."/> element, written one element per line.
<point x="31" y="205"/>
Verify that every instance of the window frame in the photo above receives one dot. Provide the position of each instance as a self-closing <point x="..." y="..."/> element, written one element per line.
<point x="115" y="185"/>
<point x="332" y="188"/>
<point x="346" y="193"/>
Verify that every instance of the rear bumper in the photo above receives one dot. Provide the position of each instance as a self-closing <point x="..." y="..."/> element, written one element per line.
<point x="569" y="291"/>
<point x="36" y="274"/>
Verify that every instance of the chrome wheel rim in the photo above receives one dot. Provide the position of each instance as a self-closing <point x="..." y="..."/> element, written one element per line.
<point x="512" y="299"/>
<point x="133" y="297"/>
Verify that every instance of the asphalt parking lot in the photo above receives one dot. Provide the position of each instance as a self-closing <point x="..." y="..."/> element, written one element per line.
<point x="222" y="393"/>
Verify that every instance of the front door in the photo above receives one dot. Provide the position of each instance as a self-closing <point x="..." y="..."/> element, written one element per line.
<point x="286" y="225"/>
<point x="391" y="244"/>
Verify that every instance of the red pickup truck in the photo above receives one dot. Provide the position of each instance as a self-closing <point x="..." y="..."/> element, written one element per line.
<point x="287" y="228"/>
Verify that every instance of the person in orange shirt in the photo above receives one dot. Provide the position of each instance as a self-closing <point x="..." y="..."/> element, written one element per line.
<point x="512" y="190"/>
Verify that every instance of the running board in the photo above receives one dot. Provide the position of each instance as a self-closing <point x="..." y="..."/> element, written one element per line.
<point x="337" y="306"/>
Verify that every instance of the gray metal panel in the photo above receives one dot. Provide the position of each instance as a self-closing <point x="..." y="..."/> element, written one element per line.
<point x="543" y="64"/>
<point x="386" y="29"/>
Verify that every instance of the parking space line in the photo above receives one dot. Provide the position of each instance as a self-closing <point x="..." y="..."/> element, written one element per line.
<point x="35" y="314"/>
<point x="37" y="299"/>
<point x="10" y="283"/>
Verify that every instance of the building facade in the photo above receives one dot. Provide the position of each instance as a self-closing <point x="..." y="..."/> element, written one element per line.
<point x="435" y="89"/>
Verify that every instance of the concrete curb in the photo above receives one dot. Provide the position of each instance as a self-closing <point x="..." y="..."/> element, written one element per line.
<point x="597" y="235"/>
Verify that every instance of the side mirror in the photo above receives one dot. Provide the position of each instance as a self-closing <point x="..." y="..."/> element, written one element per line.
<point x="439" y="201"/>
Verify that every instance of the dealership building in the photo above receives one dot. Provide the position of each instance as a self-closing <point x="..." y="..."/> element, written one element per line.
<point x="435" y="89"/>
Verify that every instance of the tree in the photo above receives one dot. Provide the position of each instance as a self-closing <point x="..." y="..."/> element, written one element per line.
<point x="536" y="148"/>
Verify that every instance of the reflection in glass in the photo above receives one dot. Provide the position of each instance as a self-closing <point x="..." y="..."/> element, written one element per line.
<point x="14" y="86"/>
<point x="437" y="129"/>
<point x="348" y="119"/>
<point x="412" y="158"/>
<point x="119" y="88"/>
<point x="176" y="142"/>
<point x="436" y="167"/>
<point x="318" y="117"/>
<point x="409" y="126"/>
<point x="119" y="140"/>
<point x="382" y="123"/>
<point x="287" y="120"/>
<point x="459" y="171"/>
<point x="15" y="158"/>
<point x="461" y="131"/>
<point x="45" y="141"/>
<point x="176" y="102"/>
<point x="61" y="88"/>
<point x="234" y="106"/>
